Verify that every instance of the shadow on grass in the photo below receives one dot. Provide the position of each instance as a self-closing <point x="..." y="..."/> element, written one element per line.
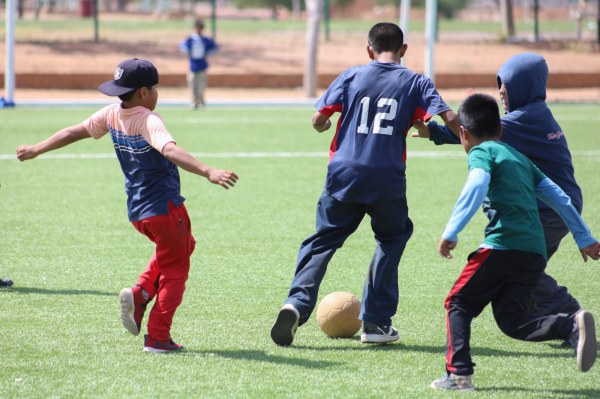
<point x="354" y="344"/>
<point x="45" y="291"/>
<point x="475" y="352"/>
<point x="559" y="393"/>
<point x="261" y="356"/>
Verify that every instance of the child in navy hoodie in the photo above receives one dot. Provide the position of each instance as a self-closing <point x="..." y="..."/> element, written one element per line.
<point x="529" y="126"/>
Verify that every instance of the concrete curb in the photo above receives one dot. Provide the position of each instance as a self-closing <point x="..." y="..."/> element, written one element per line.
<point x="90" y="81"/>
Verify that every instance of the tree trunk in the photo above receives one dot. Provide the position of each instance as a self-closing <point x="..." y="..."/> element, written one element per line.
<point x="508" y="24"/>
<point x="313" y="9"/>
<point x="296" y="12"/>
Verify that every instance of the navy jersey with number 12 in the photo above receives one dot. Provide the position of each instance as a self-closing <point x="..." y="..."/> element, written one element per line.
<point x="378" y="103"/>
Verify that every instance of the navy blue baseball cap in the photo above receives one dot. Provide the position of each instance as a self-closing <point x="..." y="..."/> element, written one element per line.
<point x="129" y="75"/>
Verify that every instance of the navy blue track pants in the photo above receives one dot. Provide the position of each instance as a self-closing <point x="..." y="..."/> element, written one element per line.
<point x="335" y="222"/>
<point x="550" y="297"/>
<point x="506" y="279"/>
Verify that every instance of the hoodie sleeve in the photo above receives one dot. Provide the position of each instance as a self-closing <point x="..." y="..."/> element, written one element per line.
<point x="556" y="198"/>
<point x="441" y="134"/>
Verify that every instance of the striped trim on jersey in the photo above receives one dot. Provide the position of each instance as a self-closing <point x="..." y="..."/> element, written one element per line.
<point x="135" y="144"/>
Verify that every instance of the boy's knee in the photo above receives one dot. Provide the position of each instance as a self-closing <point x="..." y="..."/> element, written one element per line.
<point x="508" y="329"/>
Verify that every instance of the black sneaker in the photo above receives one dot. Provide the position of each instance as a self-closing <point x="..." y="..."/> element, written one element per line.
<point x="374" y="334"/>
<point x="567" y="344"/>
<point x="5" y="282"/>
<point x="285" y="326"/>
<point x="583" y="338"/>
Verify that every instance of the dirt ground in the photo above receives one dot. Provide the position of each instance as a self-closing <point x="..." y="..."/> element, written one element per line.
<point x="284" y="53"/>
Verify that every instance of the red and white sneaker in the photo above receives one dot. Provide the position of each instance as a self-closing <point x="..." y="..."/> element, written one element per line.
<point x="154" y="346"/>
<point x="133" y="306"/>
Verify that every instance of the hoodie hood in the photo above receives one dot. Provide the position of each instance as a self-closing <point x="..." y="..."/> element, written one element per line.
<point x="525" y="76"/>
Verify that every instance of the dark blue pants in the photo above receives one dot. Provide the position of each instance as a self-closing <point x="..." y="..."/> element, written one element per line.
<point x="506" y="279"/>
<point x="336" y="221"/>
<point x="549" y="297"/>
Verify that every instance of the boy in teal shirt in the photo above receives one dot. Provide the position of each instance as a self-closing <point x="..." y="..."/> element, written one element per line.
<point x="508" y="265"/>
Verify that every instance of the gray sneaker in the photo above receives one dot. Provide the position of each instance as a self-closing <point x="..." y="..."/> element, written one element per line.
<point x="284" y="328"/>
<point x="374" y="334"/>
<point x="454" y="382"/>
<point x="583" y="338"/>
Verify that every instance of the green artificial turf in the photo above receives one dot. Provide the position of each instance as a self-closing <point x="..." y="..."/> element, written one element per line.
<point x="66" y="242"/>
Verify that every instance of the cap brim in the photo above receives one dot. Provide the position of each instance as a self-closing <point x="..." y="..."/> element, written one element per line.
<point x="111" y="89"/>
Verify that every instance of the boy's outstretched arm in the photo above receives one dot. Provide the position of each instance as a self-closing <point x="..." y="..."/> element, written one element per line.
<point x="471" y="198"/>
<point x="186" y="161"/>
<point x="451" y="121"/>
<point x="321" y="122"/>
<point x="555" y="197"/>
<point x="59" y="139"/>
<point x="439" y="134"/>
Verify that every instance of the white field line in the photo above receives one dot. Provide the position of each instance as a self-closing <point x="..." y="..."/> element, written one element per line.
<point x="411" y="154"/>
<point x="282" y="154"/>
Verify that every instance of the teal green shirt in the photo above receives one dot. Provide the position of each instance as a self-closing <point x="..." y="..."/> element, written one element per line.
<point x="514" y="222"/>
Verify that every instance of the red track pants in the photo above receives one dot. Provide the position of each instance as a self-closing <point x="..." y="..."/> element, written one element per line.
<point x="168" y="269"/>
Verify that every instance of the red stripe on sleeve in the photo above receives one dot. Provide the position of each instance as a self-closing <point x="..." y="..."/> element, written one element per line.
<point x="421" y="114"/>
<point x="331" y="109"/>
<point x="333" y="146"/>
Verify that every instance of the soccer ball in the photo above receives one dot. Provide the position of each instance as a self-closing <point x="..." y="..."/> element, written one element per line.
<point x="337" y="315"/>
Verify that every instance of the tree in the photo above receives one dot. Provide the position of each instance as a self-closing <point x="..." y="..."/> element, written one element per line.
<point x="296" y="8"/>
<point x="314" y="9"/>
<point x="508" y="24"/>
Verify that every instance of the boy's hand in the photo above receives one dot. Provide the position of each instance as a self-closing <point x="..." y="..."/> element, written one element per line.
<point x="422" y="129"/>
<point x="224" y="178"/>
<point x="321" y="128"/>
<point x="444" y="248"/>
<point x="593" y="251"/>
<point x="25" y="152"/>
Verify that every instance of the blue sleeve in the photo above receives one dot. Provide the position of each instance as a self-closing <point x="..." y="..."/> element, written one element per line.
<point x="184" y="45"/>
<point x="471" y="198"/>
<point x="431" y="101"/>
<point x="334" y="94"/>
<point x="212" y="47"/>
<point x="441" y="134"/>
<point x="555" y="197"/>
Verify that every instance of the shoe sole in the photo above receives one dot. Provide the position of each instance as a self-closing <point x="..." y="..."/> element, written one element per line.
<point x="284" y="328"/>
<point x="434" y="385"/>
<point x="150" y="349"/>
<point x="127" y="309"/>
<point x="586" y="346"/>
<point x="377" y="338"/>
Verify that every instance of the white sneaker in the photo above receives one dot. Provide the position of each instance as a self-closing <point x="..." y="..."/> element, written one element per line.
<point x="454" y="382"/>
